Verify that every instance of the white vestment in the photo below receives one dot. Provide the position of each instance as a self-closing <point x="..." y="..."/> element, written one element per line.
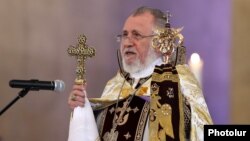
<point x="190" y="88"/>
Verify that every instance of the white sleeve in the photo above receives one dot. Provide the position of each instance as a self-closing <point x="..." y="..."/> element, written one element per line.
<point x="82" y="124"/>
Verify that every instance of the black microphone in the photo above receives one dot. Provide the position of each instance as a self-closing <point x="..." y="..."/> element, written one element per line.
<point x="34" y="84"/>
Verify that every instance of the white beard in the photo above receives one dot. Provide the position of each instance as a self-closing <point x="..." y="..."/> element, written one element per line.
<point x="137" y="66"/>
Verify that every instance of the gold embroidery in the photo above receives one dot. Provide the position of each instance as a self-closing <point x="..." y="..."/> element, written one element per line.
<point x="112" y="110"/>
<point x="142" y="122"/>
<point x="118" y="120"/>
<point x="142" y="91"/>
<point x="135" y="110"/>
<point x="165" y="76"/>
<point x="127" y="136"/>
<point x="111" y="136"/>
<point x="122" y="119"/>
<point x="160" y="115"/>
<point x="122" y="116"/>
<point x="170" y="92"/>
<point x="161" y="118"/>
<point x="128" y="91"/>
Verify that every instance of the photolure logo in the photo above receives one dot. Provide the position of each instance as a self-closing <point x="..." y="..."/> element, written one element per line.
<point x="240" y="132"/>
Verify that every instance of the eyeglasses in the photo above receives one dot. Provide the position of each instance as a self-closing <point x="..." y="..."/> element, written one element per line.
<point x="135" y="36"/>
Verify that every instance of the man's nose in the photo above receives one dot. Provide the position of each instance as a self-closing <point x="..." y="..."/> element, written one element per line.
<point x="128" y="42"/>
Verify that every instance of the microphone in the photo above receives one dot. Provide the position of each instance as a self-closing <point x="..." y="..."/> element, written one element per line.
<point x="36" y="85"/>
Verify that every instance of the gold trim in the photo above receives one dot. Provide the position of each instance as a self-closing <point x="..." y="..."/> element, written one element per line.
<point x="165" y="76"/>
<point x="182" y="118"/>
<point x="142" y="122"/>
<point x="101" y="120"/>
<point x="161" y="113"/>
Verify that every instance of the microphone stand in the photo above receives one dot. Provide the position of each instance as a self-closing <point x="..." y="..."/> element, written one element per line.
<point x="21" y="94"/>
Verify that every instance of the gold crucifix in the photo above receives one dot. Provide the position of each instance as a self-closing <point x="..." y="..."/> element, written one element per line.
<point x="81" y="52"/>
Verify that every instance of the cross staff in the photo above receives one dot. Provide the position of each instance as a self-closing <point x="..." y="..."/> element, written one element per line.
<point x="168" y="15"/>
<point x="81" y="52"/>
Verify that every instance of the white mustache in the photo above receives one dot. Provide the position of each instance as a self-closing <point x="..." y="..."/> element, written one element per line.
<point x="133" y="50"/>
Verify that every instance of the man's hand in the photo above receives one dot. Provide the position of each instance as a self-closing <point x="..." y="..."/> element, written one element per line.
<point x="77" y="96"/>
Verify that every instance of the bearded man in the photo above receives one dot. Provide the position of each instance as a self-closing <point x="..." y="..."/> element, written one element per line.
<point x="147" y="99"/>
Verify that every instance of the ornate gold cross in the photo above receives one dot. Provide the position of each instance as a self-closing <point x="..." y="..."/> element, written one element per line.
<point x="167" y="39"/>
<point x="81" y="52"/>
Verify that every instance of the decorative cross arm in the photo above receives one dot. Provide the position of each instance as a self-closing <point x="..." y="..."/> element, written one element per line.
<point x="81" y="52"/>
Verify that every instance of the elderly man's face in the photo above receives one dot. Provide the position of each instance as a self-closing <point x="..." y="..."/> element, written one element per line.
<point x="135" y="47"/>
